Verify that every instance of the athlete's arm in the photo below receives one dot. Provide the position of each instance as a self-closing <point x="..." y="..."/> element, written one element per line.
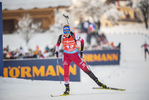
<point x="58" y="43"/>
<point x="77" y="36"/>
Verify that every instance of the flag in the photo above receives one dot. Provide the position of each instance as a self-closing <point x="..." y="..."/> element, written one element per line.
<point x="92" y="27"/>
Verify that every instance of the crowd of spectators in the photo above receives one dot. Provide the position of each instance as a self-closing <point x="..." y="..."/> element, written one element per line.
<point x="37" y="53"/>
<point x="93" y="30"/>
<point x="21" y="54"/>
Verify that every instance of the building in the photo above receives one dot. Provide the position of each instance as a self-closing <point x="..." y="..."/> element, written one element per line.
<point x="39" y="10"/>
<point x="129" y="14"/>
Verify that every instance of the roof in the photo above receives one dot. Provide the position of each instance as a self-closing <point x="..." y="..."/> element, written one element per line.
<point x="30" y="4"/>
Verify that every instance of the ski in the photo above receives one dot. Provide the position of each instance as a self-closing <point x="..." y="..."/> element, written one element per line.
<point x="109" y="88"/>
<point x="60" y="95"/>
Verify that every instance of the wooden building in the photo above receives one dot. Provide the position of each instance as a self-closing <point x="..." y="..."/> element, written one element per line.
<point x="44" y="15"/>
<point x="129" y="16"/>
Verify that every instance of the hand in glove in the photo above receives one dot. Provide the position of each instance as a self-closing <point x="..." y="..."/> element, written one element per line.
<point x="81" y="54"/>
<point x="56" y="53"/>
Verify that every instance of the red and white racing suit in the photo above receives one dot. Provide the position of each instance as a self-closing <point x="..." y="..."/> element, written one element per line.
<point x="71" y="54"/>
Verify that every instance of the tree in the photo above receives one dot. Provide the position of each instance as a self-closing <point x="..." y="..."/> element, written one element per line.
<point x="112" y="14"/>
<point x="60" y="20"/>
<point x="88" y="8"/>
<point x="26" y="27"/>
<point x="143" y="5"/>
<point x="94" y="9"/>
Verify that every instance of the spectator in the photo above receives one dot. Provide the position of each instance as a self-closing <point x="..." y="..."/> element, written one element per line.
<point x="112" y="45"/>
<point x="8" y="56"/>
<point x="47" y="49"/>
<point x="104" y="39"/>
<point x="4" y="53"/>
<point x="22" y="51"/>
<point x="7" y="48"/>
<point x="103" y="42"/>
<point x="35" y="54"/>
<point x="98" y="24"/>
<point x="119" y="46"/>
<point x="90" y="33"/>
<point x="80" y="26"/>
<point x="38" y="49"/>
<point x="86" y="26"/>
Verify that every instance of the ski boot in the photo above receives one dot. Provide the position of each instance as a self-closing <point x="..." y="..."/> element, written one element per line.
<point x="66" y="92"/>
<point x="100" y="84"/>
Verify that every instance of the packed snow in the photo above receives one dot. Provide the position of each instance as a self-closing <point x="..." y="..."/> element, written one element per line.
<point x="132" y="74"/>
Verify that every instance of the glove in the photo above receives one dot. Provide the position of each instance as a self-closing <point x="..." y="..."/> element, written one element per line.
<point x="81" y="54"/>
<point x="56" y="54"/>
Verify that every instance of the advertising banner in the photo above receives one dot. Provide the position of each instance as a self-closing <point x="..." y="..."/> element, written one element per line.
<point x="47" y="69"/>
<point x="39" y="69"/>
<point x="102" y="57"/>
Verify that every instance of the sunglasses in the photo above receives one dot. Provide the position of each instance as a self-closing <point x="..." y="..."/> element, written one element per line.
<point x="66" y="32"/>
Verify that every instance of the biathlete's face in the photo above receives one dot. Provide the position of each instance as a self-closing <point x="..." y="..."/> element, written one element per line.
<point x="67" y="33"/>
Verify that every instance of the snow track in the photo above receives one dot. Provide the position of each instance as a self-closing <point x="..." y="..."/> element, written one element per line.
<point x="132" y="74"/>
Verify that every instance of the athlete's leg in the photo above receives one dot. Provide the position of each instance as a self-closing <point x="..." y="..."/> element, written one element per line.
<point x="66" y="63"/>
<point x="145" y="52"/>
<point x="148" y="51"/>
<point x="79" y="62"/>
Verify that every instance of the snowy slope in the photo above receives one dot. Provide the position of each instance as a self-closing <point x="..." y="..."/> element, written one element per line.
<point x="132" y="74"/>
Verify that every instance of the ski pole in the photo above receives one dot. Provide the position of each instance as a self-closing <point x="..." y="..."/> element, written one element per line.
<point x="59" y="71"/>
<point x="66" y="17"/>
